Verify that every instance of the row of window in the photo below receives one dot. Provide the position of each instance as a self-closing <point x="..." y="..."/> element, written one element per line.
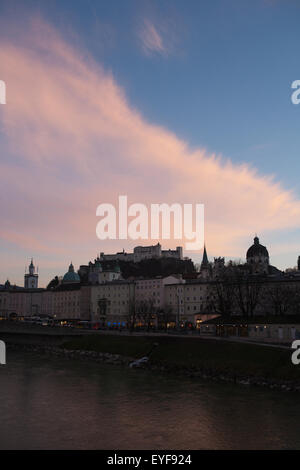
<point x="194" y="299"/>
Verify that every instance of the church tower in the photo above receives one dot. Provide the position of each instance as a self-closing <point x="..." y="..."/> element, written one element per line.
<point x="31" y="278"/>
<point x="205" y="269"/>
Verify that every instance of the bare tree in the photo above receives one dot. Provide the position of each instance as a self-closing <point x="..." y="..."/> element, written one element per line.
<point x="166" y="315"/>
<point x="102" y="308"/>
<point x="131" y="317"/>
<point x="146" y="311"/>
<point x="283" y="298"/>
<point x="223" y="287"/>
<point x="247" y="290"/>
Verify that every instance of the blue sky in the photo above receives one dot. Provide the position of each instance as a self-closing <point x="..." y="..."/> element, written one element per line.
<point x="217" y="74"/>
<point x="224" y="85"/>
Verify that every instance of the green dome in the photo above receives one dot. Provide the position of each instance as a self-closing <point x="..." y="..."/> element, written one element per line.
<point x="71" y="276"/>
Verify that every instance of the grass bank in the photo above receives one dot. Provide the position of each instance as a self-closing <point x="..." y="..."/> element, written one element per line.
<point x="243" y="360"/>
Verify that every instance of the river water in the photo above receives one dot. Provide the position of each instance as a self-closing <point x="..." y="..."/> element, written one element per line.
<point x="63" y="404"/>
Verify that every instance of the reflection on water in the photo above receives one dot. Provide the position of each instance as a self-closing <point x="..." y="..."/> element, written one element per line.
<point x="62" y="404"/>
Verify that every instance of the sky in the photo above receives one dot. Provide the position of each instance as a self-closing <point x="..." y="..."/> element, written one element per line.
<point x="163" y="101"/>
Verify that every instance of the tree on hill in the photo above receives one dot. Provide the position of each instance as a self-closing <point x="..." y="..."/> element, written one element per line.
<point x="53" y="283"/>
<point x="156" y="267"/>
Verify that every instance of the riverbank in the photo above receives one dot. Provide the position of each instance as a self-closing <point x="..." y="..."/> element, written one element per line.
<point x="246" y="364"/>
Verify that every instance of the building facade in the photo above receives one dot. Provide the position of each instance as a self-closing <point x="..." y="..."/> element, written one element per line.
<point x="99" y="292"/>
<point x="112" y="302"/>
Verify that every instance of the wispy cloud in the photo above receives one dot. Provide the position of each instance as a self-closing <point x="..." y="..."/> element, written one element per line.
<point x="151" y="39"/>
<point x="161" y="34"/>
<point x="71" y="140"/>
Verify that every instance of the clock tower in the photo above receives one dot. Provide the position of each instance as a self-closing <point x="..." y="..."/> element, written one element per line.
<point x="31" y="278"/>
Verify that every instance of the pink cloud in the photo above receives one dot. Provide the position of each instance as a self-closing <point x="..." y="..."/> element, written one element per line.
<point x="72" y="141"/>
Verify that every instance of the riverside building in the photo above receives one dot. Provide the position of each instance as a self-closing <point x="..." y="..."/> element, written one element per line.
<point x="99" y="292"/>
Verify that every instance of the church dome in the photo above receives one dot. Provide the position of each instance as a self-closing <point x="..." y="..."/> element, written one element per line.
<point x="71" y="276"/>
<point x="257" y="250"/>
